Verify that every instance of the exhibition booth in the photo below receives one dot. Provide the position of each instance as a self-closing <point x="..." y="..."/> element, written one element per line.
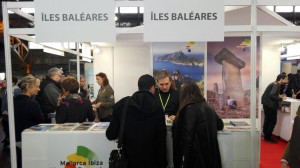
<point x="124" y="60"/>
<point x="87" y="145"/>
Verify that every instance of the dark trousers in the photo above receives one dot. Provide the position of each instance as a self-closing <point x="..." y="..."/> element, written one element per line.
<point x="270" y="121"/>
<point x="5" y="128"/>
<point x="107" y="119"/>
<point x="19" y="157"/>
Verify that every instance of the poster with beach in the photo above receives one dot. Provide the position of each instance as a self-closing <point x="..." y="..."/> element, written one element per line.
<point x="184" y="61"/>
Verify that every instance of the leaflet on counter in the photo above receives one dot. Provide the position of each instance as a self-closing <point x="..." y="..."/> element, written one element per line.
<point x="64" y="127"/>
<point x="102" y="126"/>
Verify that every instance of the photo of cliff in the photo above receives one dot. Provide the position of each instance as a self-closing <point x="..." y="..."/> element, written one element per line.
<point x="180" y="59"/>
<point x="185" y="58"/>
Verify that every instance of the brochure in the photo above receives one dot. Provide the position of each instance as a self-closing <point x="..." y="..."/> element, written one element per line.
<point x="83" y="126"/>
<point x="64" y="127"/>
<point x="41" y="127"/>
<point x="239" y="123"/>
<point x="102" y="126"/>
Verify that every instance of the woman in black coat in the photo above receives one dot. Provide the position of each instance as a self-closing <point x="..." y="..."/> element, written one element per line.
<point x="71" y="107"/>
<point x="27" y="111"/>
<point x="195" y="131"/>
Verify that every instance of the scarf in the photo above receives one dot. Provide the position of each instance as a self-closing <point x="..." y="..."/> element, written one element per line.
<point x="72" y="98"/>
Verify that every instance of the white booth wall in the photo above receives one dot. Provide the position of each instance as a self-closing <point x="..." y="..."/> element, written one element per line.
<point x="270" y="65"/>
<point x="123" y="67"/>
<point x="125" y="64"/>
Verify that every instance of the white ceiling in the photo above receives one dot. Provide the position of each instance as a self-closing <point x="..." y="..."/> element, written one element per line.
<point x="233" y="16"/>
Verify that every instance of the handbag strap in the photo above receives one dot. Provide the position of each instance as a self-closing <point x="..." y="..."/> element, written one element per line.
<point x="120" y="141"/>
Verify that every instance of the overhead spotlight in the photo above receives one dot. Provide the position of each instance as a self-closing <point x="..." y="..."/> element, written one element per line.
<point x="283" y="49"/>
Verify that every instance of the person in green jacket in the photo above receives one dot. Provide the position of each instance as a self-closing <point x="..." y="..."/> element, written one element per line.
<point x="105" y="98"/>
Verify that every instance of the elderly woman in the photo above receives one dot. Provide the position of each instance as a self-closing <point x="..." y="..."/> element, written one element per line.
<point x="105" y="98"/>
<point x="195" y="131"/>
<point x="71" y="107"/>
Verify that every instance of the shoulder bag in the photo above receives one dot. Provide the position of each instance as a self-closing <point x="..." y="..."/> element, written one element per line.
<point x="117" y="157"/>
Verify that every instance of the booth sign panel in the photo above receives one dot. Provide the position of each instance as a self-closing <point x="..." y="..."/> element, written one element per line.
<point x="183" y="21"/>
<point x="75" y="20"/>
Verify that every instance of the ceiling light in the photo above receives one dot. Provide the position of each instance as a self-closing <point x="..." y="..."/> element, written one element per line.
<point x="96" y="50"/>
<point x="28" y="10"/>
<point x="128" y="10"/>
<point x="293" y="58"/>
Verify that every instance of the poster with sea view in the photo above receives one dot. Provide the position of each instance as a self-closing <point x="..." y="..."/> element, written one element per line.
<point x="184" y="61"/>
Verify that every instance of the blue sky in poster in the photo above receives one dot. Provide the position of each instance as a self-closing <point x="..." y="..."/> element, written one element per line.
<point x="197" y="50"/>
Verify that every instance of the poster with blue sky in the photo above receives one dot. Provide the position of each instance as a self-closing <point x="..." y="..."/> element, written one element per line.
<point x="186" y="58"/>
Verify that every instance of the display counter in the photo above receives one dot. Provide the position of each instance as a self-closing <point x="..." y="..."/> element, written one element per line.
<point x="59" y="145"/>
<point x="285" y="118"/>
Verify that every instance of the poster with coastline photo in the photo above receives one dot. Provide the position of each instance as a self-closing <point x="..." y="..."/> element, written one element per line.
<point x="228" y="76"/>
<point x="184" y="61"/>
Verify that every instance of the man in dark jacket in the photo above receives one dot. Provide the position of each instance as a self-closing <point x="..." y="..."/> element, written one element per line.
<point x="50" y="90"/>
<point x="144" y="138"/>
<point x="270" y="100"/>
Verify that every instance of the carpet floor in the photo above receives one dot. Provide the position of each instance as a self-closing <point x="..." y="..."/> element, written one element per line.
<point x="270" y="154"/>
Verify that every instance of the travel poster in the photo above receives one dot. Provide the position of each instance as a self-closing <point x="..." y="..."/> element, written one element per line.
<point x="228" y="76"/>
<point x="184" y="61"/>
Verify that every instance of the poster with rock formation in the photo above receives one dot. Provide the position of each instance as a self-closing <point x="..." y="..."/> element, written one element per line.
<point x="228" y="76"/>
<point x="184" y="61"/>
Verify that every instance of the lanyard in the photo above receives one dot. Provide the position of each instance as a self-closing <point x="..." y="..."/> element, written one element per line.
<point x="162" y="104"/>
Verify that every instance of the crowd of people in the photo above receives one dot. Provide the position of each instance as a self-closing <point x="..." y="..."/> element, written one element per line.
<point x="195" y="123"/>
<point x="194" y="130"/>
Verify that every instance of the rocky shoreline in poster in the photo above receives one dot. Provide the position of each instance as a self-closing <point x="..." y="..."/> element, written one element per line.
<point x="180" y="58"/>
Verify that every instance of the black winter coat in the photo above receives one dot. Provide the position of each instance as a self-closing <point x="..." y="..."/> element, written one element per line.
<point x="271" y="98"/>
<point x="47" y="96"/>
<point x="73" y="110"/>
<point x="195" y="140"/>
<point x="144" y="139"/>
<point x="294" y="153"/>
<point x="27" y="114"/>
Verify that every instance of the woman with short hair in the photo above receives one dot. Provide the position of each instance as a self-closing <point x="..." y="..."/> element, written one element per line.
<point x="71" y="107"/>
<point x="105" y="98"/>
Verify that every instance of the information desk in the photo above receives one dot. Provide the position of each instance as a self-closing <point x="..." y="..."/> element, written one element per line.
<point x="285" y="119"/>
<point x="54" y="149"/>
